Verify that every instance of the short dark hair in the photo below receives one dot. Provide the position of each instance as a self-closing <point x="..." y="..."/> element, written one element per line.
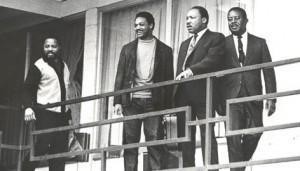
<point x="241" y="10"/>
<point x="202" y="11"/>
<point x="56" y="37"/>
<point x="149" y="17"/>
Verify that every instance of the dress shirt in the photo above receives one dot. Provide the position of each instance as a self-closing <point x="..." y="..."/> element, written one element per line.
<point x="199" y="35"/>
<point x="244" y="40"/>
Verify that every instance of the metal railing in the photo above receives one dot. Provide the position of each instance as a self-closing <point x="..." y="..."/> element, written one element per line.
<point x="186" y="110"/>
<point x="21" y="147"/>
<point x="209" y="83"/>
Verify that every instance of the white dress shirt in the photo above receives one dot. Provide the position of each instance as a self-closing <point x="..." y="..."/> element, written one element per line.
<point x="244" y="40"/>
<point x="199" y="35"/>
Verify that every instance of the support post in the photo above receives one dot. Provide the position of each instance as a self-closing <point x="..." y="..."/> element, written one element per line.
<point x="104" y="116"/>
<point x="208" y="130"/>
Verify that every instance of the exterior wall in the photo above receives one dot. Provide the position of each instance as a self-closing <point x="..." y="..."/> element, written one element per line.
<point x="45" y="7"/>
<point x="273" y="144"/>
<point x="283" y="44"/>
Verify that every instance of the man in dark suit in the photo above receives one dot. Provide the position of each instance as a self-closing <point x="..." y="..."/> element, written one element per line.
<point x="243" y="49"/>
<point x="202" y="53"/>
<point x="144" y="61"/>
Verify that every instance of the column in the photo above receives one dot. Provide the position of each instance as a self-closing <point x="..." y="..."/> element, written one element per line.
<point x="90" y="82"/>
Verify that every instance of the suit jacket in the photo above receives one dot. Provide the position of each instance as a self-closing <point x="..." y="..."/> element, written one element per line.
<point x="163" y="71"/>
<point x="257" y="53"/>
<point x="207" y="56"/>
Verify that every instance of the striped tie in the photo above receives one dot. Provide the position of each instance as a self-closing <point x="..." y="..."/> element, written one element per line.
<point x="241" y="51"/>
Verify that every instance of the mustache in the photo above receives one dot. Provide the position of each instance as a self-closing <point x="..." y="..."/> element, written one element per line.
<point x="50" y="52"/>
<point x="236" y="24"/>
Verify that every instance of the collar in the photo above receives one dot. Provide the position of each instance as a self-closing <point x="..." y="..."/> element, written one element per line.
<point x="244" y="36"/>
<point x="200" y="33"/>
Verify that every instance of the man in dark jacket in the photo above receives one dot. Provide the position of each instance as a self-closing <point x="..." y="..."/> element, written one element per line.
<point x="143" y="61"/>
<point x="202" y="53"/>
<point x="243" y="49"/>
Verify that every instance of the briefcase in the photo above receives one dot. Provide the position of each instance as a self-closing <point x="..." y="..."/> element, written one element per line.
<point x="170" y="126"/>
<point x="80" y="141"/>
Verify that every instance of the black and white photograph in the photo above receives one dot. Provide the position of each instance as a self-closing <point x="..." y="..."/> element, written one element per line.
<point x="142" y="85"/>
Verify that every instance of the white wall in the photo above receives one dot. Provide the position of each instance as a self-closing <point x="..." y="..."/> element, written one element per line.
<point x="278" y="22"/>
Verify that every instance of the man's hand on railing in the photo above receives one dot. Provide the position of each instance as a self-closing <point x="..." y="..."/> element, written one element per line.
<point x="270" y="106"/>
<point x="118" y="109"/>
<point x="29" y="115"/>
<point x="185" y="74"/>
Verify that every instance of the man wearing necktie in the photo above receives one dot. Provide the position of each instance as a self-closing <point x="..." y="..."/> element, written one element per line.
<point x="202" y="53"/>
<point x="243" y="49"/>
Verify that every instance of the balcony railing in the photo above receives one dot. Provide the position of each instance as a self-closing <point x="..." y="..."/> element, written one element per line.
<point x="209" y="83"/>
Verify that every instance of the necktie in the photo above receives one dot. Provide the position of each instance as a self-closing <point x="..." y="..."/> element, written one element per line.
<point x="241" y="51"/>
<point x="190" y="49"/>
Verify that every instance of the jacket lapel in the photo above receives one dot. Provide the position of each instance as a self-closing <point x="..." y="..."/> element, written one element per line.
<point x="133" y="53"/>
<point x="249" y="49"/>
<point x="182" y="55"/>
<point x="158" y="53"/>
<point x="201" y="40"/>
<point x="234" y="55"/>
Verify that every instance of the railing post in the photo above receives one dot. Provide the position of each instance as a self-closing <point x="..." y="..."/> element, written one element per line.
<point x="31" y="140"/>
<point x="228" y="117"/>
<point x="21" y="144"/>
<point x="0" y="143"/>
<point x="208" y="130"/>
<point x="104" y="116"/>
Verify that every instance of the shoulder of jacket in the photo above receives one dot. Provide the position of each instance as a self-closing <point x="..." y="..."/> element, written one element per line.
<point x="229" y="37"/>
<point x="216" y="34"/>
<point x="256" y="38"/>
<point x="130" y="44"/>
<point x="163" y="45"/>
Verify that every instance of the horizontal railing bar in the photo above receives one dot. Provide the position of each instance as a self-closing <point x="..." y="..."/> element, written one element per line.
<point x="253" y="163"/>
<point x="238" y="164"/>
<point x="5" y="107"/>
<point x="204" y="121"/>
<point x="261" y="129"/>
<point x="202" y="168"/>
<point x="168" y="83"/>
<point x="186" y="109"/>
<point x="111" y="148"/>
<point x="262" y="97"/>
<point x="144" y="144"/>
<point x="174" y="82"/>
<point x="14" y="147"/>
<point x="110" y="121"/>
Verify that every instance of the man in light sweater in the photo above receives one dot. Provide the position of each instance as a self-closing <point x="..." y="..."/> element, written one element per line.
<point x="47" y="82"/>
<point x="144" y="61"/>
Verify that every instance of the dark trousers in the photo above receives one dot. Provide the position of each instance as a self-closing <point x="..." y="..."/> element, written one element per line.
<point x="132" y="133"/>
<point x="242" y="147"/>
<point x="188" y="148"/>
<point x="50" y="143"/>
